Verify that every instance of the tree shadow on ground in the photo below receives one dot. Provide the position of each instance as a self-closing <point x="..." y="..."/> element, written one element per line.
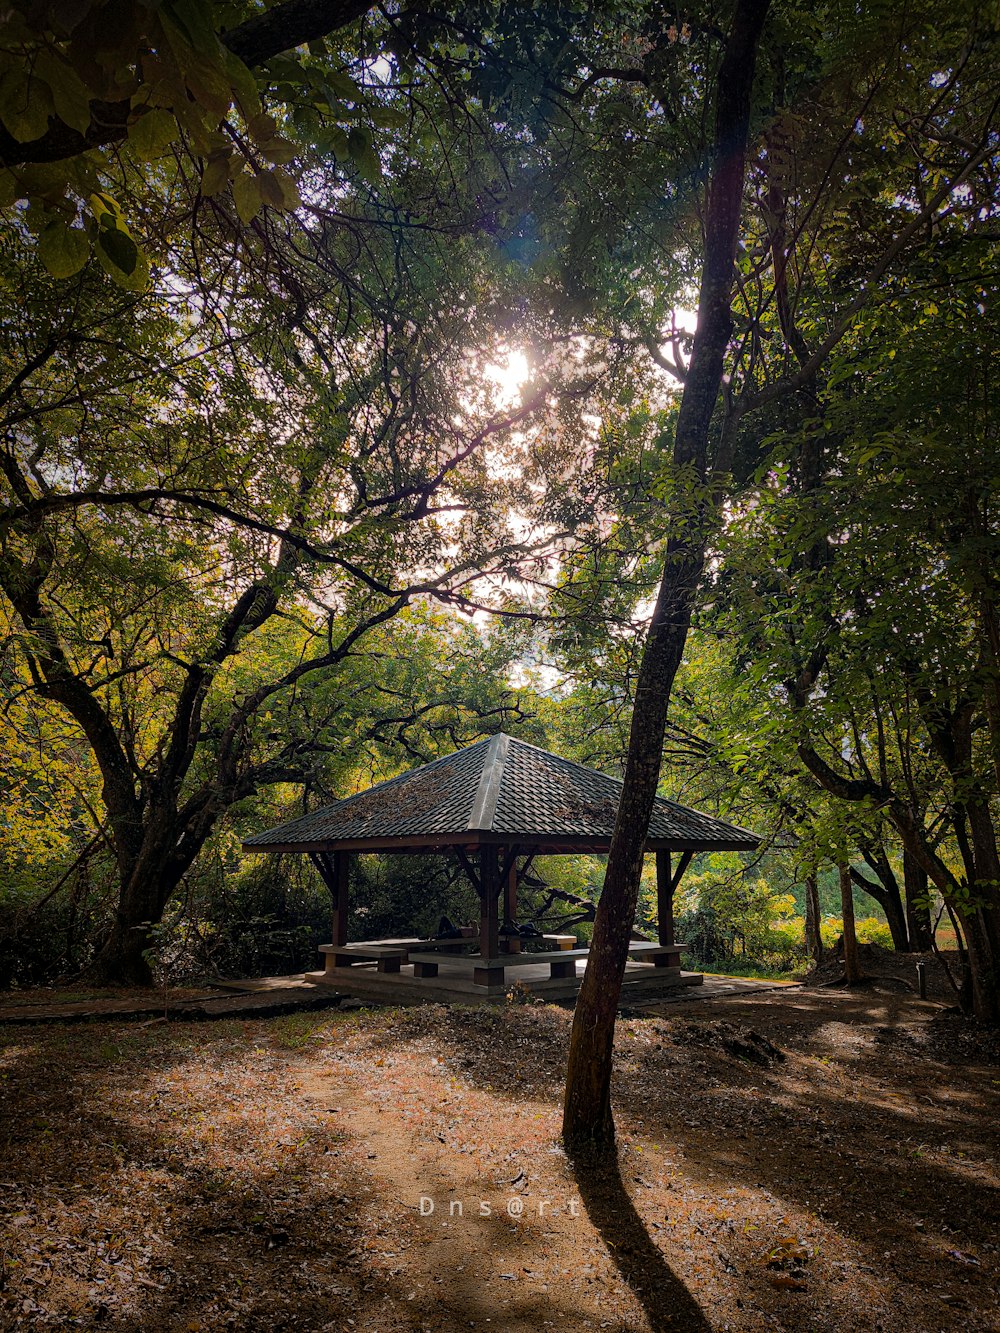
<point x="115" y="1178"/>
<point x="668" y="1304"/>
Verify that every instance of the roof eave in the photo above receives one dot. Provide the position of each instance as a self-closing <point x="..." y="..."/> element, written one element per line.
<point x="471" y="839"/>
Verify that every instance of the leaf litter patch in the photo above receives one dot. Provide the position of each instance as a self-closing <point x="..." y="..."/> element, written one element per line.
<point x="266" y="1174"/>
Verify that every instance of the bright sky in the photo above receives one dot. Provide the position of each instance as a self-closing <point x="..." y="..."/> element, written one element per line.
<point x="508" y="375"/>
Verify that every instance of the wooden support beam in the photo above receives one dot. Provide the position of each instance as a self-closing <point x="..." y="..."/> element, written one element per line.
<point x="334" y="869"/>
<point x="489" y="880"/>
<point x="664" y="899"/>
<point x="325" y="871"/>
<point x="666" y="886"/>
<point x="509" y="878"/>
<point x="686" y="859"/>
<point x="510" y="891"/>
<point x="471" y="872"/>
<point x="342" y="877"/>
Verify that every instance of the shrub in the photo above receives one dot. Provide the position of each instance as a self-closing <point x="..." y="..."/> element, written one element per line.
<point x="869" y="930"/>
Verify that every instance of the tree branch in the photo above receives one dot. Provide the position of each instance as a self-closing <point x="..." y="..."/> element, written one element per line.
<point x="809" y="368"/>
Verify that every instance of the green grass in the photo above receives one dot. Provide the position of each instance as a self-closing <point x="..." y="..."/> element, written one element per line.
<point x="296" y="1031"/>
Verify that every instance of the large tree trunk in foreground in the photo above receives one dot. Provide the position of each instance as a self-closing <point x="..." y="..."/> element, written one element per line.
<point x="124" y="957"/>
<point x="587" y="1114"/>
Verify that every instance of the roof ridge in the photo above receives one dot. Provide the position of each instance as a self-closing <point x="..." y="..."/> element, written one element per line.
<point x="484" y="807"/>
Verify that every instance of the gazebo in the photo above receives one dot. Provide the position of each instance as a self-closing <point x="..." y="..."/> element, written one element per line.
<point x="496" y="805"/>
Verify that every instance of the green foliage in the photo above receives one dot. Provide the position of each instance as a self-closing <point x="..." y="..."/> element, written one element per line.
<point x="724" y="912"/>
<point x="231" y="476"/>
<point x="135" y="85"/>
<point x="869" y="930"/>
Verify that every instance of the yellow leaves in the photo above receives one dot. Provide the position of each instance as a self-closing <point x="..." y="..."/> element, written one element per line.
<point x="785" y="1282"/>
<point x="277" y="150"/>
<point x="104" y="206"/>
<point x="270" y="190"/>
<point x="262" y="127"/>
<point x="197" y="55"/>
<point x="116" y="249"/>
<point x="274" y="188"/>
<point x="70" y="95"/>
<point x="289" y="189"/>
<point x="215" y="177"/>
<point x="362" y="150"/>
<point x="789" y="1249"/>
<point x="788" y="1257"/>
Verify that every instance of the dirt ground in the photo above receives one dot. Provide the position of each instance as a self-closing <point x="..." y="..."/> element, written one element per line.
<point x="801" y="1159"/>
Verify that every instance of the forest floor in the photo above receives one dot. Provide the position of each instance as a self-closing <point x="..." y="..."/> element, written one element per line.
<point x="809" y="1159"/>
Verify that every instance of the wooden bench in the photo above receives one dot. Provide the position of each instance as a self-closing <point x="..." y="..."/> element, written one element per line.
<point x="516" y="943"/>
<point x="447" y="946"/>
<point x="387" y="957"/>
<point x="660" y="955"/>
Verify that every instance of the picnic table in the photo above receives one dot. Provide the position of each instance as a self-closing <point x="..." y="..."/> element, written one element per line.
<point x="561" y="961"/>
<point x="390" y="955"/>
<point x="492" y="971"/>
<point x="660" y="955"/>
<point x="559" y="953"/>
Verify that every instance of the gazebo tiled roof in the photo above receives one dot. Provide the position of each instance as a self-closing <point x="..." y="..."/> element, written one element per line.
<point x="499" y="791"/>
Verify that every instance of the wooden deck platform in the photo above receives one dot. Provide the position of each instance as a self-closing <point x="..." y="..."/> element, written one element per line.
<point x="453" y="983"/>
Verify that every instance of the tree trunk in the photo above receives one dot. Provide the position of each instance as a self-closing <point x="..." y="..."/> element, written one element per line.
<point x="814" y="940"/>
<point x="148" y="878"/>
<point x="852" y="968"/>
<point x="892" y="901"/>
<point x="982" y="919"/>
<point x="125" y="956"/>
<point x="587" y="1114"/>
<point x="918" y="912"/>
<point x="888" y="897"/>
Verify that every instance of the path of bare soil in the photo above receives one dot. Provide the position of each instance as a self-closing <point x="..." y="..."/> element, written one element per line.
<point x="803" y="1160"/>
<point x="263" y="998"/>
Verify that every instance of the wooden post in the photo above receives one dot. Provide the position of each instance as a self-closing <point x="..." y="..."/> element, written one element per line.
<point x="333" y="870"/>
<point x="664" y="899"/>
<point x="489" y="889"/>
<point x="510" y="892"/>
<point x="510" y="943"/>
<point x="339" y="891"/>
